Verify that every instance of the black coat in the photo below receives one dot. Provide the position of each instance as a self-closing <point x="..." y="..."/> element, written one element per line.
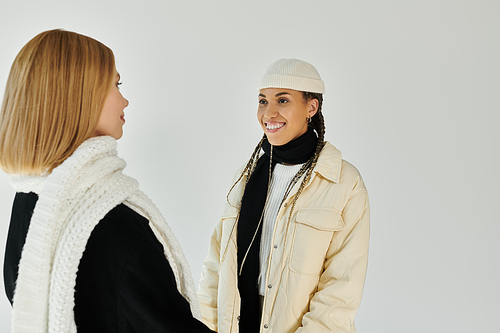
<point x="124" y="282"/>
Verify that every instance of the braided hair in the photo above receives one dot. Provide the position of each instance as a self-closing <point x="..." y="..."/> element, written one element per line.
<point x="318" y="124"/>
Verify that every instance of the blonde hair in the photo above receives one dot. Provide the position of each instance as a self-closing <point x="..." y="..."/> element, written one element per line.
<point x="53" y="100"/>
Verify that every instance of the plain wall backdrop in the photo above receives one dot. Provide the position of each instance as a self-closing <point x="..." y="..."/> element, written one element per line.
<point x="412" y="100"/>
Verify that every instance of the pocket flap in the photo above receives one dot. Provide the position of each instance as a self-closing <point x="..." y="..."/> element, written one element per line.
<point x="321" y="218"/>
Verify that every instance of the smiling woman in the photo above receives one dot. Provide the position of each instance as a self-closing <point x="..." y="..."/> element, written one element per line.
<point x="290" y="251"/>
<point x="86" y="251"/>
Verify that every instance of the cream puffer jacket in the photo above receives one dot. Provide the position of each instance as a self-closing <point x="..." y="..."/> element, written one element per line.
<point x="317" y="265"/>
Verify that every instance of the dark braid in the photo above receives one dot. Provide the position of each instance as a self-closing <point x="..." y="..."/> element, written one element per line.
<point x="252" y="162"/>
<point x="318" y="124"/>
<point x="247" y="170"/>
<point x="317" y="121"/>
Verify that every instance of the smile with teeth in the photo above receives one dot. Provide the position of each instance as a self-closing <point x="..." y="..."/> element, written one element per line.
<point x="274" y="126"/>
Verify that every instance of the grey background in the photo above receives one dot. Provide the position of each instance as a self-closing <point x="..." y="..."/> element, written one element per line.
<point x="412" y="99"/>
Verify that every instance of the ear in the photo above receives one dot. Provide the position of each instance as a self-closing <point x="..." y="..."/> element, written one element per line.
<point x="313" y="106"/>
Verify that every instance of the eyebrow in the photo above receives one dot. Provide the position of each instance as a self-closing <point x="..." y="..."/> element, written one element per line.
<point x="278" y="94"/>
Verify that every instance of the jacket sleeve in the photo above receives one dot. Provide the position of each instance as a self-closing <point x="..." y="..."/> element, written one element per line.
<point x="340" y="286"/>
<point x="125" y="284"/>
<point x="209" y="282"/>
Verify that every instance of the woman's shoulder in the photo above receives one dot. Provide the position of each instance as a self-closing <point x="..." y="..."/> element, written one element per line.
<point x="116" y="238"/>
<point x="113" y="242"/>
<point x="122" y="227"/>
<point x="339" y="170"/>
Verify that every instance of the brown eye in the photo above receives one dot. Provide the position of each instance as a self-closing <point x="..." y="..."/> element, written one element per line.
<point x="282" y="100"/>
<point x="262" y="102"/>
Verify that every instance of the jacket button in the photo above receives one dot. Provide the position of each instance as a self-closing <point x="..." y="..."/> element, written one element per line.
<point x="269" y="286"/>
<point x="265" y="326"/>
<point x="275" y="246"/>
<point x="238" y="318"/>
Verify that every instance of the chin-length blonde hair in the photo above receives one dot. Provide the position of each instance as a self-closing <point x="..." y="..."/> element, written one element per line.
<point x="53" y="100"/>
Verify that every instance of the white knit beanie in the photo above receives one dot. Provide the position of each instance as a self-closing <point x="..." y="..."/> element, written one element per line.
<point x="292" y="74"/>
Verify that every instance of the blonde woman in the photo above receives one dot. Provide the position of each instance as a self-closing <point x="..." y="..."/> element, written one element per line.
<point x="290" y="251"/>
<point x="87" y="251"/>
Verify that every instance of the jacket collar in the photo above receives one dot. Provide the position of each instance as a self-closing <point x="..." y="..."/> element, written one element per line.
<point x="329" y="163"/>
<point x="328" y="166"/>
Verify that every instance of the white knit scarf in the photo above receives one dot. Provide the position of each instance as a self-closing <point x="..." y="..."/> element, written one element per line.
<point x="72" y="200"/>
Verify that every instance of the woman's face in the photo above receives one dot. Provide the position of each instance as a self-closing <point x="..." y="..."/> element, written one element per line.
<point x="283" y="114"/>
<point x="112" y="116"/>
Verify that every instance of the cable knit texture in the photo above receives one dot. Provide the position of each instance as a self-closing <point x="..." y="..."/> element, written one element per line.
<point x="72" y="201"/>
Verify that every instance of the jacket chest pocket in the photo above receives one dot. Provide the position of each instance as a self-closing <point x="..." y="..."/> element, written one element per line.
<point x="314" y="228"/>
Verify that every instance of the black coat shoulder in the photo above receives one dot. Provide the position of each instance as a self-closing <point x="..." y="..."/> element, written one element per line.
<point x="125" y="283"/>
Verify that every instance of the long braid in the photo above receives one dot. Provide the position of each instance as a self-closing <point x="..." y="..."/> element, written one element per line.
<point x="247" y="170"/>
<point x="318" y="123"/>
<point x="249" y="167"/>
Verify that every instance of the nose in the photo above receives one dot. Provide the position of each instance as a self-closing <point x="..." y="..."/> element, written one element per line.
<point x="270" y="112"/>
<point x="126" y="102"/>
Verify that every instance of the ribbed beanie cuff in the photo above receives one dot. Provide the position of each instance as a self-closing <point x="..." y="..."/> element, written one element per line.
<point x="292" y="74"/>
